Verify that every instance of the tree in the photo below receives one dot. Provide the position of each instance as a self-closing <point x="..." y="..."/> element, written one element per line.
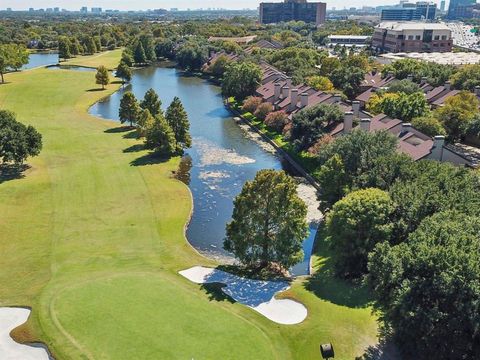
<point x="165" y="49"/>
<point x="354" y="226"/>
<point x="427" y="289"/>
<point x="17" y="141"/>
<point x="467" y="77"/>
<point x="277" y="120"/>
<point x="241" y="80"/>
<point x="457" y="113"/>
<point x="309" y="124"/>
<point x="177" y="119"/>
<point x="320" y="83"/>
<point x="436" y="74"/>
<point x="328" y="65"/>
<point x="152" y="103"/>
<point x="123" y="72"/>
<point x="64" y="48"/>
<point x="129" y="109"/>
<point x="148" y="47"/>
<point x="219" y="66"/>
<point x="139" y="56"/>
<point x="90" y="46"/>
<point x="348" y="79"/>
<point x="12" y="56"/>
<point x="365" y="159"/>
<point x="102" y="76"/>
<point x="145" y="121"/>
<point x="403" y="86"/>
<point x="269" y="222"/>
<point x="75" y="47"/>
<point x="400" y="105"/>
<point x="251" y="103"/>
<point x="160" y="137"/>
<point x="263" y="110"/>
<point x="191" y="56"/>
<point x="127" y="58"/>
<point x="429" y="126"/>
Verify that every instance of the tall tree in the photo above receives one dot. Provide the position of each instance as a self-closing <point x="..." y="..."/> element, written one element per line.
<point x="129" y="109"/>
<point x="191" y="55"/>
<point x="241" y="80"/>
<point x="90" y="46"/>
<point x="160" y="137"/>
<point x="269" y="222"/>
<point x="148" y="47"/>
<point x="12" y="57"/>
<point x="124" y="72"/>
<point x="177" y="118"/>
<point x="152" y="103"/>
<point x="127" y="58"/>
<point x="355" y="225"/>
<point x="64" y="48"/>
<point x="139" y="54"/>
<point x="102" y="76"/>
<point x="428" y="288"/>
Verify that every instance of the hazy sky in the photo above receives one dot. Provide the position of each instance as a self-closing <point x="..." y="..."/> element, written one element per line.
<point x="181" y="4"/>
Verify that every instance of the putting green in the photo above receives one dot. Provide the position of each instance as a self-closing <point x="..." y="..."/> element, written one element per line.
<point x="92" y="237"/>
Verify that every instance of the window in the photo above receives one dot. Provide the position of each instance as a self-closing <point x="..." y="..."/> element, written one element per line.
<point x="444" y="37"/>
<point x="437" y="37"/>
<point x="417" y="37"/>
<point x="442" y="45"/>
<point x="410" y="37"/>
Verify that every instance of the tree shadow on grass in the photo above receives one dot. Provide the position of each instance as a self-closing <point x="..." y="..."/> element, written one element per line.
<point x="134" y="148"/>
<point x="215" y="292"/>
<point x="131" y="134"/>
<point x="118" y="129"/>
<point x="324" y="284"/>
<point x="10" y="172"/>
<point x="149" y="159"/>
<point x="385" y="350"/>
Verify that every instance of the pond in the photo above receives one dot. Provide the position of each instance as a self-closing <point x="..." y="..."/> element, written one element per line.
<point x="41" y="59"/>
<point x="221" y="159"/>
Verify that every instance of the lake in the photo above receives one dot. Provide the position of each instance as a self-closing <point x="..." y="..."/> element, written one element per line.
<point x="222" y="157"/>
<point x="41" y="59"/>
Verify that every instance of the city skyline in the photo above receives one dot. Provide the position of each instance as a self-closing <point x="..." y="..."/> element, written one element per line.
<point x="167" y="4"/>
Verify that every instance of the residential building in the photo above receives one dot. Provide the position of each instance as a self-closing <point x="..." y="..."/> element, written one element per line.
<point x="410" y="12"/>
<point x="412" y="37"/>
<point x="289" y="10"/>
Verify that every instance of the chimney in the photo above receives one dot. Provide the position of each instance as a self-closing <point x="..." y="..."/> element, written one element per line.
<point x="347" y="122"/>
<point x="406" y="127"/>
<point x="477" y="90"/>
<point x="437" y="149"/>
<point x="337" y="98"/>
<point x="278" y="90"/>
<point x="447" y="85"/>
<point x="424" y="80"/>
<point x="304" y="100"/>
<point x="410" y="77"/>
<point x="289" y="81"/>
<point x="285" y="92"/>
<point x="365" y="124"/>
<point x="356" y="108"/>
<point x="293" y="99"/>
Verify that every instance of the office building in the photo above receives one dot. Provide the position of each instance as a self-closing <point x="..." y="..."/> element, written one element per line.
<point x="96" y="10"/>
<point x="442" y="6"/>
<point x="84" y="10"/>
<point x="460" y="9"/>
<point x="293" y="10"/>
<point x="412" y="37"/>
<point x="410" y="12"/>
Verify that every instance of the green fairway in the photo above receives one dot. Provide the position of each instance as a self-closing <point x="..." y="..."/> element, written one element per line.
<point x="94" y="244"/>
<point x="109" y="58"/>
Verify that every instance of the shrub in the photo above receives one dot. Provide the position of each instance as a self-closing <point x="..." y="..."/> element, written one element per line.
<point x="251" y="103"/>
<point x="263" y="110"/>
<point x="277" y="120"/>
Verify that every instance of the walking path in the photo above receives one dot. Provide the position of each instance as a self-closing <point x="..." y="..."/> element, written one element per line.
<point x="256" y="294"/>
<point x="10" y="318"/>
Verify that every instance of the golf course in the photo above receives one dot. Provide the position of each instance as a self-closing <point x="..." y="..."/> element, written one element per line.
<point x="92" y="238"/>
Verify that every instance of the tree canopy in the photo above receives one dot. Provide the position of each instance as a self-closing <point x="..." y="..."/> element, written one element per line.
<point x="129" y="109"/>
<point x="241" y="80"/>
<point x="269" y="221"/>
<point x="102" y="76"/>
<point x="177" y="119"/>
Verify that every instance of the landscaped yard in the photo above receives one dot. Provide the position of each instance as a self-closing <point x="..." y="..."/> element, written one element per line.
<point x="92" y="237"/>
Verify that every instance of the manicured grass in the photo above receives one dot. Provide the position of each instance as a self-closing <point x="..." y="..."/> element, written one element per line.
<point x="92" y="238"/>
<point x="109" y="58"/>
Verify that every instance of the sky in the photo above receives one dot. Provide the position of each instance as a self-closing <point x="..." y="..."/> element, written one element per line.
<point x="167" y="4"/>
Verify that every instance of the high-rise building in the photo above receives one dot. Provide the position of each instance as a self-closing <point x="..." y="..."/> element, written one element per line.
<point x="460" y="9"/>
<point x="96" y="10"/>
<point x="84" y="10"/>
<point x="442" y="6"/>
<point x="289" y="10"/>
<point x="410" y="12"/>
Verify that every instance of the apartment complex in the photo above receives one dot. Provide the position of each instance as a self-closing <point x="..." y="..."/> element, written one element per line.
<point x="412" y="37"/>
<point x="289" y="10"/>
<point x="410" y="12"/>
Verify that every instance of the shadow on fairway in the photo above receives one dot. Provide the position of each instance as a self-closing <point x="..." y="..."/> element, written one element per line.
<point x="324" y="284"/>
<point x="134" y="148"/>
<point x="385" y="350"/>
<point x="149" y="159"/>
<point x="119" y="129"/>
<point x="12" y="172"/>
<point x="215" y="293"/>
<point x="96" y="89"/>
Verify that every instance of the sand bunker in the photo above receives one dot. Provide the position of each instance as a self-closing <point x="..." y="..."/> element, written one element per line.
<point x="256" y="294"/>
<point x="10" y="318"/>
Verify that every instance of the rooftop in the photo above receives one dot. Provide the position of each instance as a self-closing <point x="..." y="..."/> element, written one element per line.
<point x="411" y="25"/>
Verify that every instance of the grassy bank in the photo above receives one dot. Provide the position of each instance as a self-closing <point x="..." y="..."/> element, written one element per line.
<point x="92" y="237"/>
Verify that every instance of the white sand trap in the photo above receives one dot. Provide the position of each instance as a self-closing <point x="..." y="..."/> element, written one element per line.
<point x="10" y="318"/>
<point x="256" y="294"/>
